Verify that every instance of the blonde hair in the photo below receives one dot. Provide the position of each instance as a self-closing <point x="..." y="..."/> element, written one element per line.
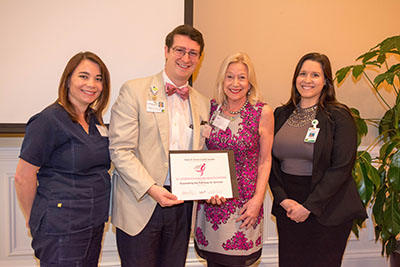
<point x="254" y="94"/>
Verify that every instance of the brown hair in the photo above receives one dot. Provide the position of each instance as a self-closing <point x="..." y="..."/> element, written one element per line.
<point x="186" y="30"/>
<point x="328" y="95"/>
<point x="97" y="107"/>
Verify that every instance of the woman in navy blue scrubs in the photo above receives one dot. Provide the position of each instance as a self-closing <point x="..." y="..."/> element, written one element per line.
<point x="62" y="179"/>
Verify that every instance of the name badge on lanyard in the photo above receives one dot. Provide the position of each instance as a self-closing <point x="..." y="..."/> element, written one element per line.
<point x="218" y="121"/>
<point x="312" y="133"/>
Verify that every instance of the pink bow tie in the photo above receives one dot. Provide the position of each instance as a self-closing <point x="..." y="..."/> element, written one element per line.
<point x="182" y="92"/>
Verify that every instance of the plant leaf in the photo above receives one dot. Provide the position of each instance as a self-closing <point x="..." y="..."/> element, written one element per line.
<point x="390" y="44"/>
<point x="385" y="235"/>
<point x="386" y="76"/>
<point x="354" y="228"/>
<point x="394" y="172"/>
<point x="397" y="45"/>
<point x="393" y="177"/>
<point x="358" y="70"/>
<point x="385" y="151"/>
<point x="373" y="63"/>
<point x="377" y="209"/>
<point x="362" y="128"/>
<point x="394" y="68"/>
<point x="377" y="232"/>
<point x="367" y="56"/>
<point x="358" y="175"/>
<point x="396" y="121"/>
<point x="382" y="174"/>
<point x="341" y="74"/>
<point x="386" y="125"/>
<point x="379" y="79"/>
<point x="381" y="58"/>
<point x="392" y="214"/>
<point x="398" y="97"/>
<point x="389" y="77"/>
<point x="357" y="223"/>
<point x="364" y="185"/>
<point x="374" y="176"/>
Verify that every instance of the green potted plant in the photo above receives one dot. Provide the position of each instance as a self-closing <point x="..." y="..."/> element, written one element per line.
<point x="378" y="178"/>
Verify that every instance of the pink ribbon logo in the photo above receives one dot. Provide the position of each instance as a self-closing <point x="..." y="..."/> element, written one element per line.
<point x="200" y="168"/>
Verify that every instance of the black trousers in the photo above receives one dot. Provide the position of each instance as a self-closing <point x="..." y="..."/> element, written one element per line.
<point x="163" y="241"/>
<point x="308" y="244"/>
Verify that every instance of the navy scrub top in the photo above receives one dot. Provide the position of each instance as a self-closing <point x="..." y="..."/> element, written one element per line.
<point x="73" y="191"/>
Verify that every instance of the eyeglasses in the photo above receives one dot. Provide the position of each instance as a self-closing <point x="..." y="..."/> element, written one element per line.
<point x="181" y="52"/>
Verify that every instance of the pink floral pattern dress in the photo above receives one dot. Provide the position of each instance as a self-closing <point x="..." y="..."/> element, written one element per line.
<point x="217" y="235"/>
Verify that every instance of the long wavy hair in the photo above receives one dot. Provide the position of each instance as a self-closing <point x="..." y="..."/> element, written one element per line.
<point x="328" y="94"/>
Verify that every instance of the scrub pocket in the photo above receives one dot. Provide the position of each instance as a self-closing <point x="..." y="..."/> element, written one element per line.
<point x="74" y="246"/>
<point x="69" y="211"/>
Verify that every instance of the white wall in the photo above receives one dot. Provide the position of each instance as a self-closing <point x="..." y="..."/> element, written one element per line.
<point x="276" y="34"/>
<point x="39" y="37"/>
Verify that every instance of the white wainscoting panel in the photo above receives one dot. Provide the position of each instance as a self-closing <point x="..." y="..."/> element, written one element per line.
<point x="15" y="239"/>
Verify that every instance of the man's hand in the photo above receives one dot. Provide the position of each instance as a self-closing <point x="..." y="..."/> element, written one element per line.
<point x="163" y="196"/>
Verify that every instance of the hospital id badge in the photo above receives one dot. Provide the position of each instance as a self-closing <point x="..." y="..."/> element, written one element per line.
<point x="312" y="133"/>
<point x="155" y="106"/>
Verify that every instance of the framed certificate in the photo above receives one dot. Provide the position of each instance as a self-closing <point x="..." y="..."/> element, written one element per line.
<point x="201" y="174"/>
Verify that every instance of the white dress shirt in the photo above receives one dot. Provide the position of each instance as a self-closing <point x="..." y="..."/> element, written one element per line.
<point x="180" y="122"/>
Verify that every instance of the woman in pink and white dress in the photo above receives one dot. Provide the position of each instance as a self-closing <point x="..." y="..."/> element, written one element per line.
<point x="228" y="232"/>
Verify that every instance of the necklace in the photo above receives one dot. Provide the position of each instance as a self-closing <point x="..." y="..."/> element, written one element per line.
<point x="302" y="116"/>
<point x="238" y="111"/>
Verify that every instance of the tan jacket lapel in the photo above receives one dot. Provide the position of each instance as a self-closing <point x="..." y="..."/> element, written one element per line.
<point x="161" y="117"/>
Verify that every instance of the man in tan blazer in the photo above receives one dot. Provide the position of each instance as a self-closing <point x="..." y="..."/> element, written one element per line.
<point x="147" y="120"/>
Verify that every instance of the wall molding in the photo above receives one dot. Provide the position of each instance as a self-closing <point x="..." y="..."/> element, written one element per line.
<point x="15" y="249"/>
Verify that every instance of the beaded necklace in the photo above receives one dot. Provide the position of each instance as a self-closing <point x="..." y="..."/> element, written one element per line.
<point x="302" y="116"/>
<point x="238" y="111"/>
